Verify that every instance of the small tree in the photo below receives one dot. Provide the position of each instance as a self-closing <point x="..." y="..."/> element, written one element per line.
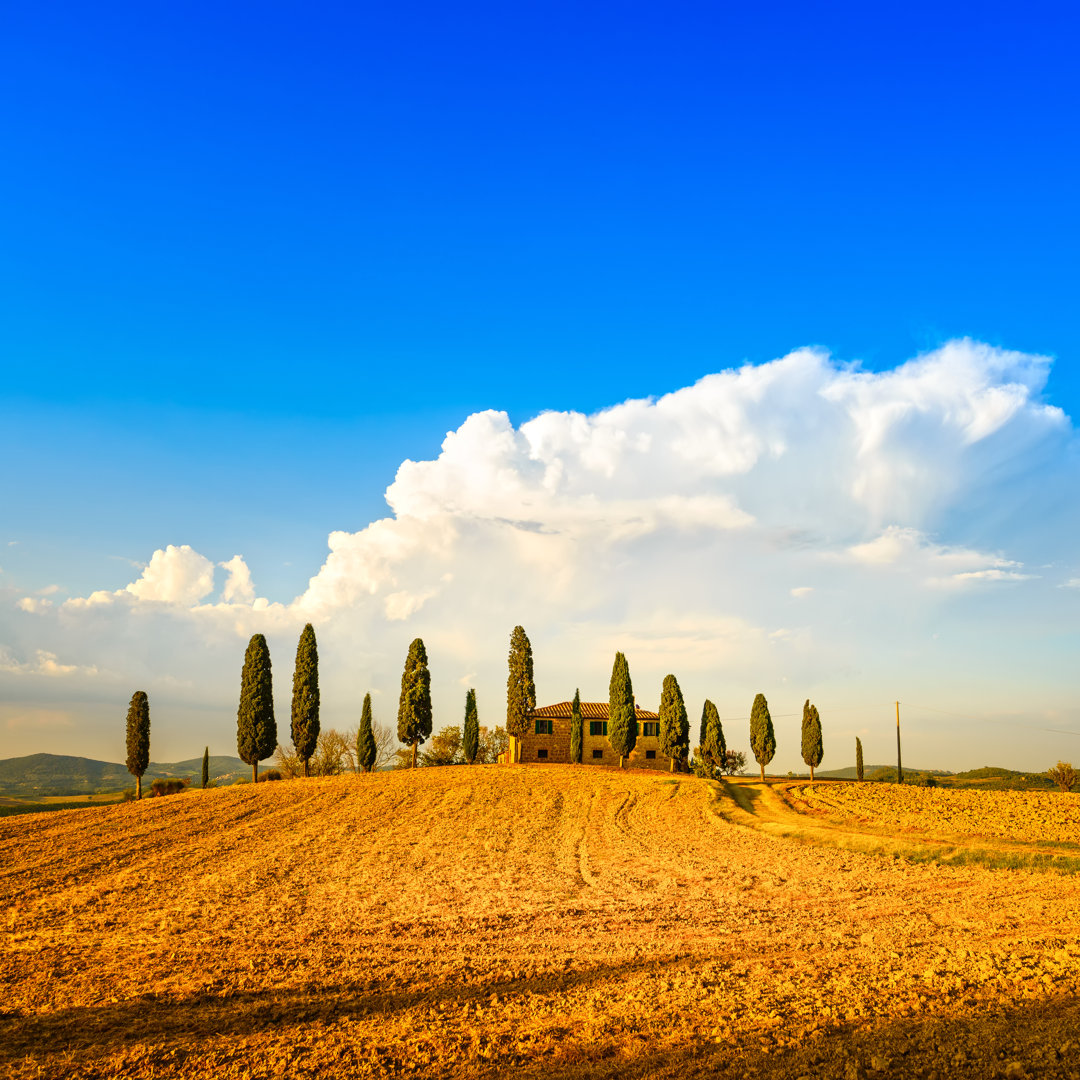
<point x="622" y="717"/>
<point x="520" y="688"/>
<point x="575" y="729"/>
<point x="445" y="748"/>
<point x="305" y="697"/>
<point x="812" y="751"/>
<point x="734" y="762"/>
<point x="206" y="768"/>
<point x="414" y="706"/>
<point x="713" y="746"/>
<point x="492" y="744"/>
<point x="366" y="750"/>
<point x="762" y="737"/>
<point x="138" y="738"/>
<point x="1063" y="774"/>
<point x="256" y="729"/>
<point x="674" y="725"/>
<point x="858" y="759"/>
<point x="470" y="743"/>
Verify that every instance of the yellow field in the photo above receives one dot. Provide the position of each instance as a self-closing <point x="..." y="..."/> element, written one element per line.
<point x="1031" y="816"/>
<point x="513" y="921"/>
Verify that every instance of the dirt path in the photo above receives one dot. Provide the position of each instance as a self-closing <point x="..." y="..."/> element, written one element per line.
<point x="522" y="921"/>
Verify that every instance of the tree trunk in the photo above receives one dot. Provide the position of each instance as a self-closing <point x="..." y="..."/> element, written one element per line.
<point x="811" y="774"/>
<point x="138" y="787"/>
<point x="672" y="769"/>
<point x="254" y="772"/>
<point x="762" y="773"/>
<point x="621" y="762"/>
<point x="306" y="760"/>
<point x="414" y="754"/>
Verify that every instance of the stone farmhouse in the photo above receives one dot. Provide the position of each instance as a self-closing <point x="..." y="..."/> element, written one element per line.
<point x="549" y="740"/>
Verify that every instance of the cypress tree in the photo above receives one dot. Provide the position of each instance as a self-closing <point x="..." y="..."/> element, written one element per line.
<point x="305" y="697"/>
<point x="470" y="738"/>
<point x="520" y="687"/>
<point x="575" y="729"/>
<point x="714" y="746"/>
<point x="622" y="717"/>
<point x="674" y="725"/>
<point x="762" y="737"/>
<point x="858" y="758"/>
<point x="414" y="706"/>
<point x="138" y="738"/>
<point x="365" y="738"/>
<point x="812" y="750"/>
<point x="206" y="768"/>
<point x="256" y="729"/>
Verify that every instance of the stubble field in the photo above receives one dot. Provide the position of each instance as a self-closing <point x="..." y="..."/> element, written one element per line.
<point x="521" y="921"/>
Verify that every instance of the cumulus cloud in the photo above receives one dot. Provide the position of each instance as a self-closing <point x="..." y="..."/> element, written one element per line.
<point x="175" y="575"/>
<point x="238" y="587"/>
<point x="671" y="528"/>
<point x="43" y="663"/>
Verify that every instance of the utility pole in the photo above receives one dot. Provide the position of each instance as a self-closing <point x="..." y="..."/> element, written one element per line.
<point x="899" y="767"/>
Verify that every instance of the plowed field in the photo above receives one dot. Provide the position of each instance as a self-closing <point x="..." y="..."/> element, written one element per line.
<point x="524" y="921"/>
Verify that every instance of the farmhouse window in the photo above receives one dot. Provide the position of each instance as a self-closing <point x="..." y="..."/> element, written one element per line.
<point x="597" y="727"/>
<point x="541" y="753"/>
<point x="650" y="727"/>
<point x="545" y="727"/>
<point x="598" y="753"/>
<point x="650" y="754"/>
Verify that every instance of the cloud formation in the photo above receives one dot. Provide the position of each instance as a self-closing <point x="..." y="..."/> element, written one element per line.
<point x="749" y="527"/>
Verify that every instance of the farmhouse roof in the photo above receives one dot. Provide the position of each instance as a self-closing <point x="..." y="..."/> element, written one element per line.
<point x="590" y="710"/>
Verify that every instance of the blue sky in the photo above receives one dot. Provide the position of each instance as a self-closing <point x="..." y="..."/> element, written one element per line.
<point x="253" y="259"/>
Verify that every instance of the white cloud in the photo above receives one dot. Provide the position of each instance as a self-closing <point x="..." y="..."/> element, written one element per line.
<point x="668" y="528"/>
<point x="44" y="663"/>
<point x="175" y="575"/>
<point x="238" y="587"/>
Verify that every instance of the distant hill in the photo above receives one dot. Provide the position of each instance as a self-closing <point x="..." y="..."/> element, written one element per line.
<point x="868" y="770"/>
<point x="59" y="774"/>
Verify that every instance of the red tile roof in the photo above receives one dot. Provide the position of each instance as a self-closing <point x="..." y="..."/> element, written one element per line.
<point x="590" y="710"/>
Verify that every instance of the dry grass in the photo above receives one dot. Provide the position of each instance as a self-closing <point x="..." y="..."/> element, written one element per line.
<point x="527" y="921"/>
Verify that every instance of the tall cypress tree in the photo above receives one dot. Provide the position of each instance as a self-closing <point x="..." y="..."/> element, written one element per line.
<point x="674" y="725"/>
<point x="138" y="738"/>
<point x="305" y="697"/>
<point x="858" y="758"/>
<point x="206" y="768"/>
<point x="520" y="687"/>
<point x="414" y="705"/>
<point x="575" y="729"/>
<point x="470" y="738"/>
<point x="714" y="746"/>
<point x="365" y="738"/>
<point x="622" y="717"/>
<point x="762" y="737"/>
<point x="256" y="729"/>
<point x="812" y="750"/>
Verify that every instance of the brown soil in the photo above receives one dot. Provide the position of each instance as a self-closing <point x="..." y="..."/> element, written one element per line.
<point x="513" y="921"/>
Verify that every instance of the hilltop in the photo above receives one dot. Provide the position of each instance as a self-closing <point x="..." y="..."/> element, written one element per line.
<point x="528" y="921"/>
<point x="57" y="774"/>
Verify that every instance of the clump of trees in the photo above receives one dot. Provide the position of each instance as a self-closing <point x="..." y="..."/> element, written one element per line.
<point x="622" y="716"/>
<point x="168" y="785"/>
<point x="812" y="750"/>
<point x="414" y="705"/>
<point x="674" y="725"/>
<point x="1064" y="775"/>
<point x="448" y="748"/>
<point x="138" y="738"/>
<point x="256" y="729"/>
<point x="762" y="736"/>
<point x="520" y="687"/>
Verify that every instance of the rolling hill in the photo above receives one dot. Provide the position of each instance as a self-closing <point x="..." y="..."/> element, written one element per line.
<point x="57" y="774"/>
<point x="548" y="922"/>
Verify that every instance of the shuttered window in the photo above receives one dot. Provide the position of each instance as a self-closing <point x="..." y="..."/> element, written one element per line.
<point x="545" y="727"/>
<point x="597" y="727"/>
